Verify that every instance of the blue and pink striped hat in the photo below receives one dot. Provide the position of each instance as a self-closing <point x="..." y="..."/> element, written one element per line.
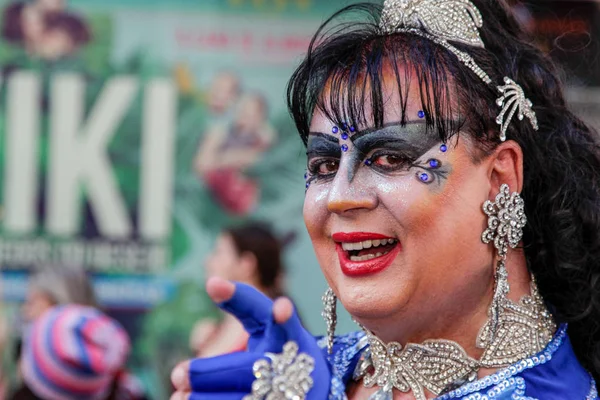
<point x="73" y="352"/>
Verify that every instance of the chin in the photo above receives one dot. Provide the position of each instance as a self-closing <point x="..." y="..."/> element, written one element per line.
<point x="372" y="301"/>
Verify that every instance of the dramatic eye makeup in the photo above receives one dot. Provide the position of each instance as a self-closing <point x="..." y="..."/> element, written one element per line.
<point x="431" y="171"/>
<point x="391" y="149"/>
<point x="323" y="154"/>
<point x="395" y="147"/>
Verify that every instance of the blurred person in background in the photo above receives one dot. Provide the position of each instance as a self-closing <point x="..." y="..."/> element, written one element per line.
<point x="53" y="285"/>
<point x="75" y="352"/>
<point x="250" y="254"/>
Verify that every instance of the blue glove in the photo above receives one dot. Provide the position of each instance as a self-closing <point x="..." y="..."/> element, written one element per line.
<point x="230" y="376"/>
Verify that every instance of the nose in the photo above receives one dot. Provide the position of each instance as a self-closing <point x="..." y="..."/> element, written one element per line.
<point x="350" y="193"/>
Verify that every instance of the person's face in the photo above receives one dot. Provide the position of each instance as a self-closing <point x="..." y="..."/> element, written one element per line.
<point x="36" y="304"/>
<point x="224" y="260"/>
<point x="395" y="221"/>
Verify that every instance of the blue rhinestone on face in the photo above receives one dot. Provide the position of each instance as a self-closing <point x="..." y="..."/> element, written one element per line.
<point x="344" y="126"/>
<point x="443" y="148"/>
<point x="424" y="177"/>
<point x="352" y="129"/>
<point x="307" y="185"/>
<point x="344" y="136"/>
<point x="344" y="147"/>
<point x="368" y="162"/>
<point x="433" y="163"/>
<point x="335" y="130"/>
<point x="305" y="175"/>
<point x="421" y="114"/>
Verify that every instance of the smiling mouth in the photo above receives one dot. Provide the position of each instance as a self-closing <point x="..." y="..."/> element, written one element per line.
<point x="368" y="249"/>
<point x="364" y="253"/>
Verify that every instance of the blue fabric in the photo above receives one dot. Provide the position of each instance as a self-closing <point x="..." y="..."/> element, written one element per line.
<point x="553" y="374"/>
<point x="227" y="376"/>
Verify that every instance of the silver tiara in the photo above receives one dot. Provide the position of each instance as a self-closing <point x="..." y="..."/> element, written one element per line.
<point x="442" y="21"/>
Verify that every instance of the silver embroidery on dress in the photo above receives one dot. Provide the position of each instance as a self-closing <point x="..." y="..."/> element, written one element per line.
<point x="432" y="365"/>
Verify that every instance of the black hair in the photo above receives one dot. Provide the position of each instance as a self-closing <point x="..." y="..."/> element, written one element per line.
<point x="258" y="238"/>
<point x="342" y="76"/>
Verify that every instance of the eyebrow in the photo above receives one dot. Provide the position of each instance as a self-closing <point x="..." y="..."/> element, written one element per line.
<point x="410" y="126"/>
<point x="322" y="144"/>
<point x="325" y="136"/>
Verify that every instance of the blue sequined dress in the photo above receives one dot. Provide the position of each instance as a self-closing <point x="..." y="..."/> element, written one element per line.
<point x="553" y="374"/>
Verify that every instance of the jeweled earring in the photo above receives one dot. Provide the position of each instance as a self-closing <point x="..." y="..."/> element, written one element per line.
<point x="330" y="315"/>
<point x="506" y="220"/>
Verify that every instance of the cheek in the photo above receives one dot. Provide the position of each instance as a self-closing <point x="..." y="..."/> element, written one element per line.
<point x="315" y="209"/>
<point x="450" y="214"/>
<point x="316" y="219"/>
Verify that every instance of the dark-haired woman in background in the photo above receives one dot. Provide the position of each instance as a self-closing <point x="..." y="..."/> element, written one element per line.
<point x="453" y="202"/>
<point x="250" y="254"/>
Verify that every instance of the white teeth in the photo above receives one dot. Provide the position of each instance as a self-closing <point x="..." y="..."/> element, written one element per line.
<point x="363" y="258"/>
<point x="367" y="244"/>
<point x="367" y="257"/>
<point x="352" y="246"/>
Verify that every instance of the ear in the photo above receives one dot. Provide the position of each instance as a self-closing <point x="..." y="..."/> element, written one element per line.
<point x="248" y="266"/>
<point x="506" y="166"/>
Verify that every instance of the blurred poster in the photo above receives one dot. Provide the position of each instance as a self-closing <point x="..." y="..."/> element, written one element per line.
<point x="131" y="132"/>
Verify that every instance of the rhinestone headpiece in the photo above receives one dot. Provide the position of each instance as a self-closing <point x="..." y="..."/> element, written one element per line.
<point x="445" y="21"/>
<point x="513" y="101"/>
<point x="455" y="20"/>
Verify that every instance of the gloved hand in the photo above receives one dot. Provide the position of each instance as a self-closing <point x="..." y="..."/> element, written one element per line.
<point x="270" y="325"/>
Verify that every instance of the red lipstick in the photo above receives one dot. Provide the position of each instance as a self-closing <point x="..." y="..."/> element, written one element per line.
<point x="367" y="267"/>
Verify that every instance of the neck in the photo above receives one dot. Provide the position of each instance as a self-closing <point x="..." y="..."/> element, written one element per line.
<point x="462" y="316"/>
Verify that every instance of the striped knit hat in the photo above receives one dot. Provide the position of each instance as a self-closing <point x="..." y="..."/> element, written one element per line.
<point x="73" y="352"/>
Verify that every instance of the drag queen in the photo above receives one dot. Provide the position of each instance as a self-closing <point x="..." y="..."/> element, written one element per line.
<point x="453" y="202"/>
